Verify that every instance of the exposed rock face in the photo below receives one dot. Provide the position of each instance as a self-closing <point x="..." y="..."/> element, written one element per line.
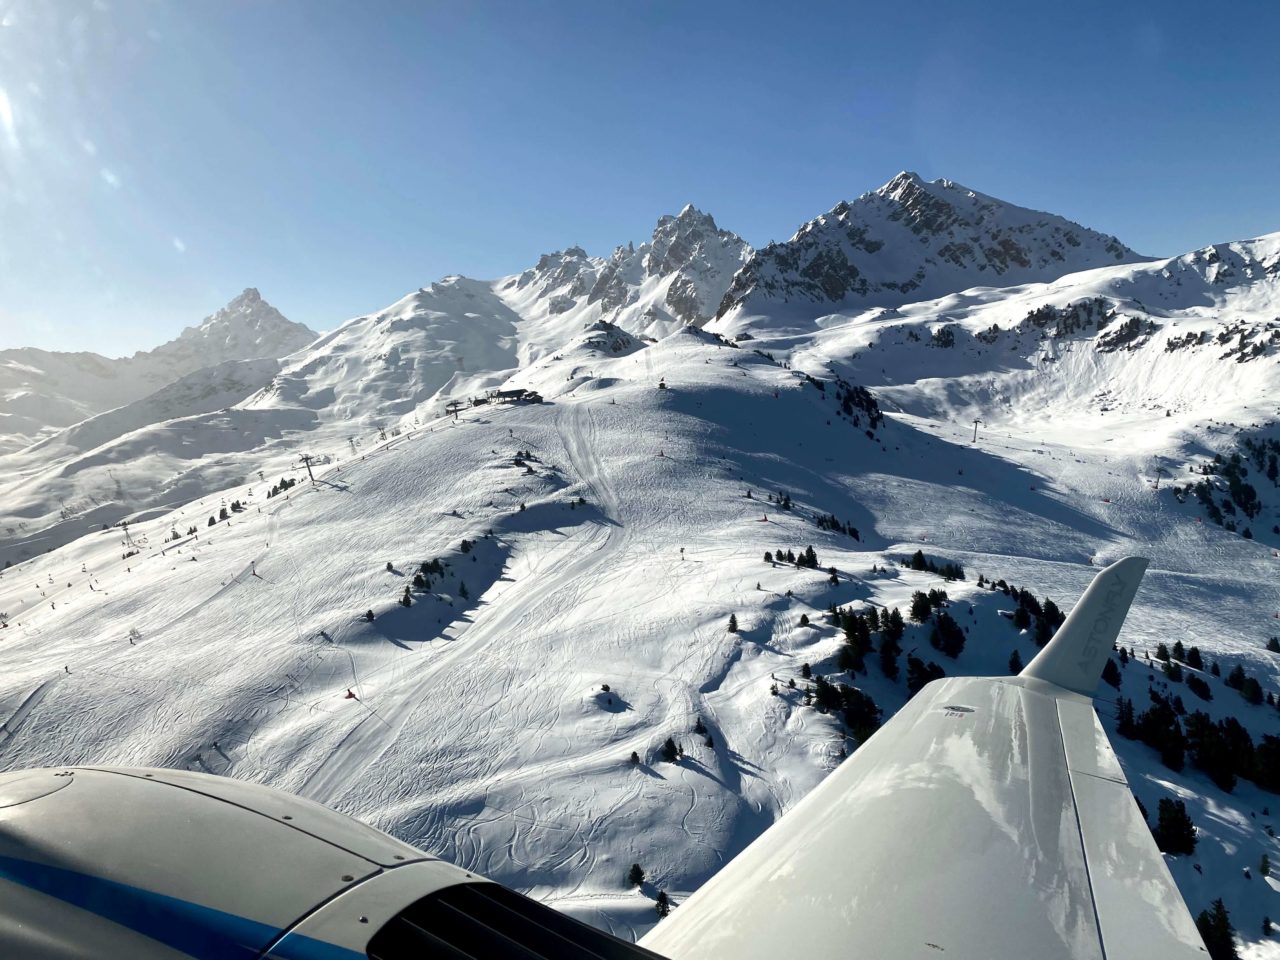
<point x="912" y="240"/>
<point x="679" y="276"/>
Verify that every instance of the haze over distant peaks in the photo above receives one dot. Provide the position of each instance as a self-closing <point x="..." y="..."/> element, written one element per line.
<point x="42" y="390"/>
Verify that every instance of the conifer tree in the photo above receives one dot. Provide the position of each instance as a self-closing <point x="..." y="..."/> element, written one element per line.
<point x="895" y="628"/>
<point x="1015" y="663"/>
<point x="1217" y="932"/>
<point x="1043" y="632"/>
<point x="1273" y="644"/>
<point x="669" y="751"/>
<point x="462" y="591"/>
<point x="1111" y="673"/>
<point x="947" y="635"/>
<point x="1126" y="725"/>
<point x="920" y="673"/>
<point x="889" y="651"/>
<point x="1251" y="690"/>
<point x="733" y="623"/>
<point x="635" y="758"/>
<point x="921" y="608"/>
<point x="1174" y="832"/>
<point x="1162" y="652"/>
<point x="635" y="876"/>
<point x="663" y="904"/>
<point x="1179" y="652"/>
<point x="1021" y="618"/>
<point x="1194" y="659"/>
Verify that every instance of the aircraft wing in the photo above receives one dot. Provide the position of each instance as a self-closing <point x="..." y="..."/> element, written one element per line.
<point x="988" y="820"/>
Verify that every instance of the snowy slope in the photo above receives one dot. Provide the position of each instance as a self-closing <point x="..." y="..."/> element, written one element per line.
<point x="611" y="531"/>
<point x="454" y="338"/>
<point x="41" y="390"/>
<point x="912" y="240"/>
<point x="482" y="731"/>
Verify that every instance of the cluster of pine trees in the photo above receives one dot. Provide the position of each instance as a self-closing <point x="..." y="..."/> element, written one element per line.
<point x="1174" y="832"/>
<point x="860" y="712"/>
<point x="829" y="521"/>
<point x="1172" y="661"/>
<point x="1241" y="497"/>
<point x="1045" y="617"/>
<point x="806" y="557"/>
<point x="923" y="604"/>
<point x="279" y="488"/>
<point x="783" y="499"/>
<point x="1223" y="749"/>
<point x="857" y="402"/>
<point x="947" y="570"/>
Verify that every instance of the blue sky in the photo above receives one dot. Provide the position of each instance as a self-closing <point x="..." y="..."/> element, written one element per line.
<point x="158" y="157"/>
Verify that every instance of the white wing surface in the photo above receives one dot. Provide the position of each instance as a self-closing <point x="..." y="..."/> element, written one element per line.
<point x="988" y="820"/>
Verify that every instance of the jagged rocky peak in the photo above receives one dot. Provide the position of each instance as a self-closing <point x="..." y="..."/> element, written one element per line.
<point x="245" y="329"/>
<point x="678" y="276"/>
<point x="692" y="239"/>
<point x="914" y="239"/>
<point x="567" y="274"/>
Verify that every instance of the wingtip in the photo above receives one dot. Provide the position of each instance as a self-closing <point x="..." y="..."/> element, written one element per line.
<point x="1074" y="658"/>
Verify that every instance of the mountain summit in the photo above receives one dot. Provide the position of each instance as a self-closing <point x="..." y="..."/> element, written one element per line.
<point x="44" y="390"/>
<point x="247" y="328"/>
<point x="678" y="276"/>
<point x="916" y="240"/>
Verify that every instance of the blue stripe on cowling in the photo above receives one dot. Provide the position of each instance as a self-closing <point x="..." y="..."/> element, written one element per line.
<point x="198" y="931"/>
<point x="297" y="947"/>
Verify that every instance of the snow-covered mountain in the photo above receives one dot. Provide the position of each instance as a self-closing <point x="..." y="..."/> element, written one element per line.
<point x="42" y="390"/>
<point x="605" y="536"/>
<point x="247" y="328"/>
<point x="679" y="276"/>
<point x="912" y="240"/>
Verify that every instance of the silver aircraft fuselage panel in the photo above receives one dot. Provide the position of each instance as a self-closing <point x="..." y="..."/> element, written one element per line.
<point x="300" y="814"/>
<point x="158" y="870"/>
<point x="985" y="821"/>
<point x="36" y="926"/>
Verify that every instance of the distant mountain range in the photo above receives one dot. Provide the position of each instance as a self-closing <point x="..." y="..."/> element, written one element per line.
<point x="43" y="389"/>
